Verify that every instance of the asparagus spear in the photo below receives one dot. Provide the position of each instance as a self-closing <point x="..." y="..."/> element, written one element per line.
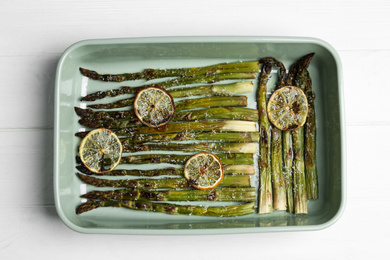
<point x="149" y="74"/>
<point x="304" y="62"/>
<point x="208" y="136"/>
<point x="265" y="194"/>
<point x="216" y="211"/>
<point x="287" y="169"/>
<point x="232" y="101"/>
<point x="300" y="195"/>
<point x="277" y="175"/>
<point x="310" y="144"/>
<point x="238" y="113"/>
<point x="278" y="180"/>
<point x="168" y="84"/>
<point x="117" y="104"/>
<point x="99" y="115"/>
<point x="165" y="183"/>
<point x="207" y="224"/>
<point x="109" y="124"/>
<point x="230" y="113"/>
<point x="211" y="147"/>
<point x="225" y="126"/>
<point x="239" y="169"/>
<point x="136" y="172"/>
<point x="202" y="90"/>
<point x="288" y="148"/>
<point x="216" y="126"/>
<point x="228" y="169"/>
<point x="223" y="194"/>
<point x="213" y="90"/>
<point x="235" y="159"/>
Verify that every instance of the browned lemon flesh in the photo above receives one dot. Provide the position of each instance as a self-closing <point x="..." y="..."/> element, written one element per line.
<point x="204" y="171"/>
<point x="98" y="145"/>
<point x="154" y="106"/>
<point x="288" y="108"/>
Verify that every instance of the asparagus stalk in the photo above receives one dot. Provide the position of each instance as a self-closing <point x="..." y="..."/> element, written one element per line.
<point x="310" y="144"/>
<point x="109" y="124"/>
<point x="233" y="101"/>
<point x="216" y="211"/>
<point x="144" y="173"/>
<point x="112" y="117"/>
<point x="224" y="101"/>
<point x="149" y="74"/>
<point x="211" y="147"/>
<point x="228" y="169"/>
<point x="301" y="76"/>
<point x="221" y="126"/>
<point x="223" y="194"/>
<point x="207" y="136"/>
<point x="100" y="115"/>
<point x="238" y="113"/>
<point x="180" y="159"/>
<point x="165" y="183"/>
<point x="230" y="113"/>
<point x="288" y="149"/>
<point x="239" y="169"/>
<point x="300" y="195"/>
<point x="265" y="193"/>
<point x="213" y="90"/>
<point x="207" y="224"/>
<point x="168" y="84"/>
<point x="117" y="104"/>
<point x="234" y="159"/>
<point x="278" y="180"/>
<point x="202" y="90"/>
<point x="277" y="175"/>
<point x="287" y="169"/>
<point x="216" y="126"/>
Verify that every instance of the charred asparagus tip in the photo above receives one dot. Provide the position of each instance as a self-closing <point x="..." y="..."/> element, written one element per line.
<point x="87" y="206"/>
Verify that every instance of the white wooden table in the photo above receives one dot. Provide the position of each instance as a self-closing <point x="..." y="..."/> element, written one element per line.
<point x="35" y="33"/>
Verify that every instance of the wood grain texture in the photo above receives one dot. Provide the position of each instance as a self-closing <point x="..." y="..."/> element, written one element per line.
<point x="28" y="90"/>
<point x="365" y="87"/>
<point x="27" y="168"/>
<point x="55" y="25"/>
<point x="40" y="232"/>
<point x="34" y="34"/>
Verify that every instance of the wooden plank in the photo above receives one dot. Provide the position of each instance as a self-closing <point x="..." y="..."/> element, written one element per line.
<point x="367" y="157"/>
<point x="27" y="88"/>
<point x="39" y="232"/>
<point x="27" y="168"/>
<point x="345" y="24"/>
<point x="366" y="86"/>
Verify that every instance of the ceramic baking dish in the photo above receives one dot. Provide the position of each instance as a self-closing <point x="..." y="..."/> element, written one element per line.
<point x="135" y="54"/>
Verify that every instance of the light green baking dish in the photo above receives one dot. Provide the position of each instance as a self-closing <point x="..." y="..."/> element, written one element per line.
<point x="135" y="54"/>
